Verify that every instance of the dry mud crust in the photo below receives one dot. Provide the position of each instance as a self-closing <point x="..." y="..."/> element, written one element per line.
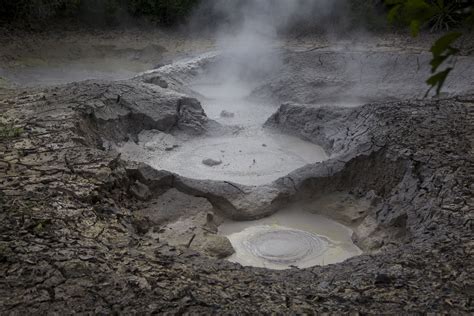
<point x="68" y="243"/>
<point x="338" y="75"/>
<point x="55" y="56"/>
<point x="416" y="156"/>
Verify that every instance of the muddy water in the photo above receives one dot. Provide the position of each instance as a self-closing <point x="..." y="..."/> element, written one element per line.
<point x="291" y="237"/>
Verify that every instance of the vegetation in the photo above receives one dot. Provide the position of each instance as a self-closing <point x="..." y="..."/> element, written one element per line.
<point x="438" y="15"/>
<point x="368" y="14"/>
<point x="164" y="12"/>
<point x="9" y="130"/>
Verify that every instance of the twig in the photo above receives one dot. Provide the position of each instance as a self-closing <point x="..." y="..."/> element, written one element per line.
<point x="190" y="241"/>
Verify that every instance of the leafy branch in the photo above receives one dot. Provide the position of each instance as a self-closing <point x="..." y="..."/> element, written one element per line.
<point x="438" y="15"/>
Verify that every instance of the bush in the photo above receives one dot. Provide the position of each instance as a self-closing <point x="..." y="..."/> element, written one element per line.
<point x="370" y="14"/>
<point x="14" y="10"/>
<point x="164" y="12"/>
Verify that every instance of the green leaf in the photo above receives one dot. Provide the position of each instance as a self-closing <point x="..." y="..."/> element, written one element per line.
<point x="415" y="27"/>
<point x="410" y="12"/>
<point x="444" y="43"/>
<point x="437" y="80"/>
<point x="418" y="10"/>
<point x="393" y="13"/>
<point x="437" y="61"/>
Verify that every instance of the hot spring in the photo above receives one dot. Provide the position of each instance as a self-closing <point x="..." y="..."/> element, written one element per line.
<point x="289" y="238"/>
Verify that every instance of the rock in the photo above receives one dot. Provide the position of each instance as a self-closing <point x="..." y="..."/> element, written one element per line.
<point x="171" y="148"/>
<point x="6" y="254"/>
<point x="211" y="162"/>
<point x="120" y="110"/>
<point x="157" y="80"/>
<point x="158" y="181"/>
<point x="236" y="201"/>
<point x="211" y="225"/>
<point x="342" y="207"/>
<point x="218" y="246"/>
<point x="318" y="125"/>
<point x="158" y="141"/>
<point x="75" y="268"/>
<point x="140" y="191"/>
<point x="172" y="205"/>
<point x="141" y="224"/>
<point x="191" y="116"/>
<point x="383" y="279"/>
<point x="227" y="114"/>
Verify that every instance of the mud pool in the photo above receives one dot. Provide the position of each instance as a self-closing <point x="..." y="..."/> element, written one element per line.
<point x="246" y="154"/>
<point x="289" y="238"/>
<point x="250" y="157"/>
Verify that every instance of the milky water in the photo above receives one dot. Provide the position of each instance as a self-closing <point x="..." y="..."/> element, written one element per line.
<point x="290" y="238"/>
<point x="252" y="155"/>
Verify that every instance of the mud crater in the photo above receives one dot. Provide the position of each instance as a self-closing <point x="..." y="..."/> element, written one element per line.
<point x="397" y="182"/>
<point x="254" y="158"/>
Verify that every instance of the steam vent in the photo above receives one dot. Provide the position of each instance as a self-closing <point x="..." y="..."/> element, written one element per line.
<point x="236" y="157"/>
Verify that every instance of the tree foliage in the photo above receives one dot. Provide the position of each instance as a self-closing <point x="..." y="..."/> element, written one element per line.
<point x="164" y="12"/>
<point x="438" y="15"/>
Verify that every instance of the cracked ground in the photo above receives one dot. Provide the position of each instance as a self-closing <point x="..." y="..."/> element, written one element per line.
<point x="70" y="242"/>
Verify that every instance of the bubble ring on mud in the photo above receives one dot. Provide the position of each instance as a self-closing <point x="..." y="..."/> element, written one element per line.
<point x="285" y="246"/>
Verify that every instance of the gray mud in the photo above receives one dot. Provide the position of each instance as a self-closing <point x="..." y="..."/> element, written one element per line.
<point x="293" y="237"/>
<point x="84" y="230"/>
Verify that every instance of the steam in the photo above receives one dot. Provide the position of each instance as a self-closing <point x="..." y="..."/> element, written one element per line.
<point x="248" y="35"/>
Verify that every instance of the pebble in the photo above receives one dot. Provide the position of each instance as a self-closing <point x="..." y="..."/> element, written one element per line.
<point x="211" y="162"/>
<point x="227" y="114"/>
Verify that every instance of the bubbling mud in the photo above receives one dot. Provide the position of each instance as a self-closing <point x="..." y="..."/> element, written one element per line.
<point x="251" y="157"/>
<point x="282" y="245"/>
<point x="290" y="238"/>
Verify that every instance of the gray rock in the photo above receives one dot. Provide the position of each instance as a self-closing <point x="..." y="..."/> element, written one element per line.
<point x="119" y="110"/>
<point x="140" y="191"/>
<point x="227" y="114"/>
<point x="237" y="201"/>
<point x="157" y="80"/>
<point x="218" y="246"/>
<point x="211" y="162"/>
<point x="158" y="181"/>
